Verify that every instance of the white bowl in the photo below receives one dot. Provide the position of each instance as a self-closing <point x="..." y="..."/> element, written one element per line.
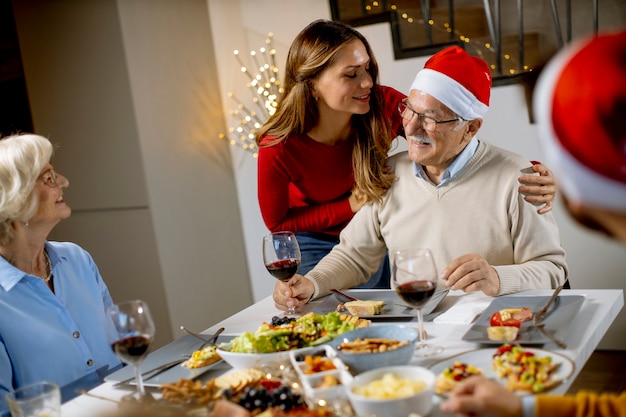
<point x="251" y="360"/>
<point x="361" y="362"/>
<point x="420" y="403"/>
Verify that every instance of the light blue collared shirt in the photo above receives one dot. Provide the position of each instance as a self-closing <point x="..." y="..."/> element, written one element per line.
<point x="454" y="168"/>
<point x="58" y="337"/>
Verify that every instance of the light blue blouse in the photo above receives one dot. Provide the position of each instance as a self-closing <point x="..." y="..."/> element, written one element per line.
<point x="61" y="336"/>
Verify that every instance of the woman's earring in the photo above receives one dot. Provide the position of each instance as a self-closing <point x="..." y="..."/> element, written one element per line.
<point x="26" y="224"/>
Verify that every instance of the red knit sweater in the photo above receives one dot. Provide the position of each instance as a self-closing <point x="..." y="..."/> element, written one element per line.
<point x="304" y="185"/>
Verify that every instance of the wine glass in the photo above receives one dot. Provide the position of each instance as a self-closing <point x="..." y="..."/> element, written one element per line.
<point x="281" y="255"/>
<point x="135" y="331"/>
<point x="414" y="277"/>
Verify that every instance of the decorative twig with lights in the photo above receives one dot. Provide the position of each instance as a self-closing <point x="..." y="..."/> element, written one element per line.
<point x="265" y="88"/>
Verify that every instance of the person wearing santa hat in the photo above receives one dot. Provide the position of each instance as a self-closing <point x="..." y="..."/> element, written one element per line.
<point x="452" y="193"/>
<point x="579" y="108"/>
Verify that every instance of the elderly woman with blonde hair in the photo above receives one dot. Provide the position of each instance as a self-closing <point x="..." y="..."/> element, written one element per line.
<point x="53" y="324"/>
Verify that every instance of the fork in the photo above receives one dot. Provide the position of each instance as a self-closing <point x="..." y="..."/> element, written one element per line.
<point x="538" y="317"/>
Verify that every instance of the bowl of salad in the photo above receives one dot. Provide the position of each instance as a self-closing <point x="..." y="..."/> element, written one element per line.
<point x="272" y="342"/>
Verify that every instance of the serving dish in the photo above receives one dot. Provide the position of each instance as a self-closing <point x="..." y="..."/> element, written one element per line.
<point x="252" y="360"/>
<point x="393" y="309"/>
<point x="482" y="359"/>
<point x="361" y="362"/>
<point x="314" y="383"/>
<point x="557" y="320"/>
<point x="420" y="403"/>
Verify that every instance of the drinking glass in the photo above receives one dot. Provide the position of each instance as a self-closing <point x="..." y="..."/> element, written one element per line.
<point x="281" y="255"/>
<point x="135" y="331"/>
<point x="41" y="399"/>
<point x="414" y="277"/>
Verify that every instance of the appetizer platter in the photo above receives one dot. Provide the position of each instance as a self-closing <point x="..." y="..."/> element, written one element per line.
<point x="272" y="341"/>
<point x="382" y="304"/>
<point x="520" y="369"/>
<point x="516" y="312"/>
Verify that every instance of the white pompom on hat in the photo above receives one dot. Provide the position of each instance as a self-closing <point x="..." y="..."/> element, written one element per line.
<point x="460" y="81"/>
<point x="580" y="108"/>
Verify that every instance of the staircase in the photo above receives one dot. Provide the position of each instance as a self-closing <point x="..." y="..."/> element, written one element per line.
<point x="513" y="36"/>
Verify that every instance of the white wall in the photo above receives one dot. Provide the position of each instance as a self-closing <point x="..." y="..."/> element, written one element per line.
<point x="594" y="261"/>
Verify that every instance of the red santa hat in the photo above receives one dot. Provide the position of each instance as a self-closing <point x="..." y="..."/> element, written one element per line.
<point x="460" y="81"/>
<point x="580" y="106"/>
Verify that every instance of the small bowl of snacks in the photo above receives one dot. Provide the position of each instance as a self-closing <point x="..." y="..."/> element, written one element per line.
<point x="376" y="346"/>
<point x="394" y="391"/>
<point x="322" y="374"/>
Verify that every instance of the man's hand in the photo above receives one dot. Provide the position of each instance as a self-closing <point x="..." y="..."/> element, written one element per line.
<point x="293" y="293"/>
<point x="479" y="396"/>
<point x="471" y="273"/>
<point x="539" y="189"/>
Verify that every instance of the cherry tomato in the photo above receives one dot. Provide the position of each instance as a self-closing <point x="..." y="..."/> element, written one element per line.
<point x="503" y="349"/>
<point x="496" y="320"/>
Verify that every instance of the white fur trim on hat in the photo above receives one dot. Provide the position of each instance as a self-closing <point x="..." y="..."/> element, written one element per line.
<point x="577" y="181"/>
<point x="451" y="93"/>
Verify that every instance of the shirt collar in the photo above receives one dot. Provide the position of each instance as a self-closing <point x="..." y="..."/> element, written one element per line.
<point x="10" y="275"/>
<point x="454" y="168"/>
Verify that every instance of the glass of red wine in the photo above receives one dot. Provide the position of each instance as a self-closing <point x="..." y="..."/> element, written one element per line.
<point x="414" y="277"/>
<point x="135" y="331"/>
<point x="281" y="255"/>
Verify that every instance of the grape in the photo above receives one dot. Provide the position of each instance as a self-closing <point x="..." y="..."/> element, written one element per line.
<point x="261" y="398"/>
<point x="280" y="321"/>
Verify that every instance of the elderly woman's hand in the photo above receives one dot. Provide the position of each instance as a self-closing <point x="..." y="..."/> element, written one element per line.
<point x="294" y="293"/>
<point x="539" y="189"/>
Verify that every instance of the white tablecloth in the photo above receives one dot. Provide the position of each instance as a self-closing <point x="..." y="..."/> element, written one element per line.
<point x="588" y="327"/>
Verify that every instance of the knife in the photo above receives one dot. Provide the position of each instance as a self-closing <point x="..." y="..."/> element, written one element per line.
<point x="151" y="373"/>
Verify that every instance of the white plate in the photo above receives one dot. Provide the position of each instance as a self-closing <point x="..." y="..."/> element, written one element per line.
<point x="482" y="359"/>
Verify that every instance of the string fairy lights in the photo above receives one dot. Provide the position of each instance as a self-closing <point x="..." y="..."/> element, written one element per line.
<point x="264" y="85"/>
<point x="484" y="50"/>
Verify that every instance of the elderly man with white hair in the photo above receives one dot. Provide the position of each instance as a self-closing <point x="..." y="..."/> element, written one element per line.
<point x="453" y="193"/>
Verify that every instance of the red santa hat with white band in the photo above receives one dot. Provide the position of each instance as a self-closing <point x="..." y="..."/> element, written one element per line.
<point x="460" y="81"/>
<point x="580" y="108"/>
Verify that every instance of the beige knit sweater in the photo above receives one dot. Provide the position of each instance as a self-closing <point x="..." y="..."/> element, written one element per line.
<point x="479" y="211"/>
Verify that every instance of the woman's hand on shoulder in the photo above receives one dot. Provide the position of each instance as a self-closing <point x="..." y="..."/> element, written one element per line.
<point x="294" y="293"/>
<point x="539" y="189"/>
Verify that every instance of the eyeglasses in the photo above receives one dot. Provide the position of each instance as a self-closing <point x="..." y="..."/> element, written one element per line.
<point x="428" y="123"/>
<point x="49" y="178"/>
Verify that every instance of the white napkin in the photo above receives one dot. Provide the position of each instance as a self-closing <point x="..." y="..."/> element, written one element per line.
<point x="466" y="308"/>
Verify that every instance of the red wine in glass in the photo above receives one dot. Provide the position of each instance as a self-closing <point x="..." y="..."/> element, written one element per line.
<point x="281" y="256"/>
<point x="414" y="277"/>
<point x="417" y="293"/>
<point x="283" y="269"/>
<point x="134" y="332"/>
<point x="131" y="350"/>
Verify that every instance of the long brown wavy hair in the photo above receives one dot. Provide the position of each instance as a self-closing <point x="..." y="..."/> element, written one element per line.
<point x="314" y="49"/>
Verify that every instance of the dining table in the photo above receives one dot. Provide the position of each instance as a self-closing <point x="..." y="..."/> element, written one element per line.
<point x="446" y="326"/>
